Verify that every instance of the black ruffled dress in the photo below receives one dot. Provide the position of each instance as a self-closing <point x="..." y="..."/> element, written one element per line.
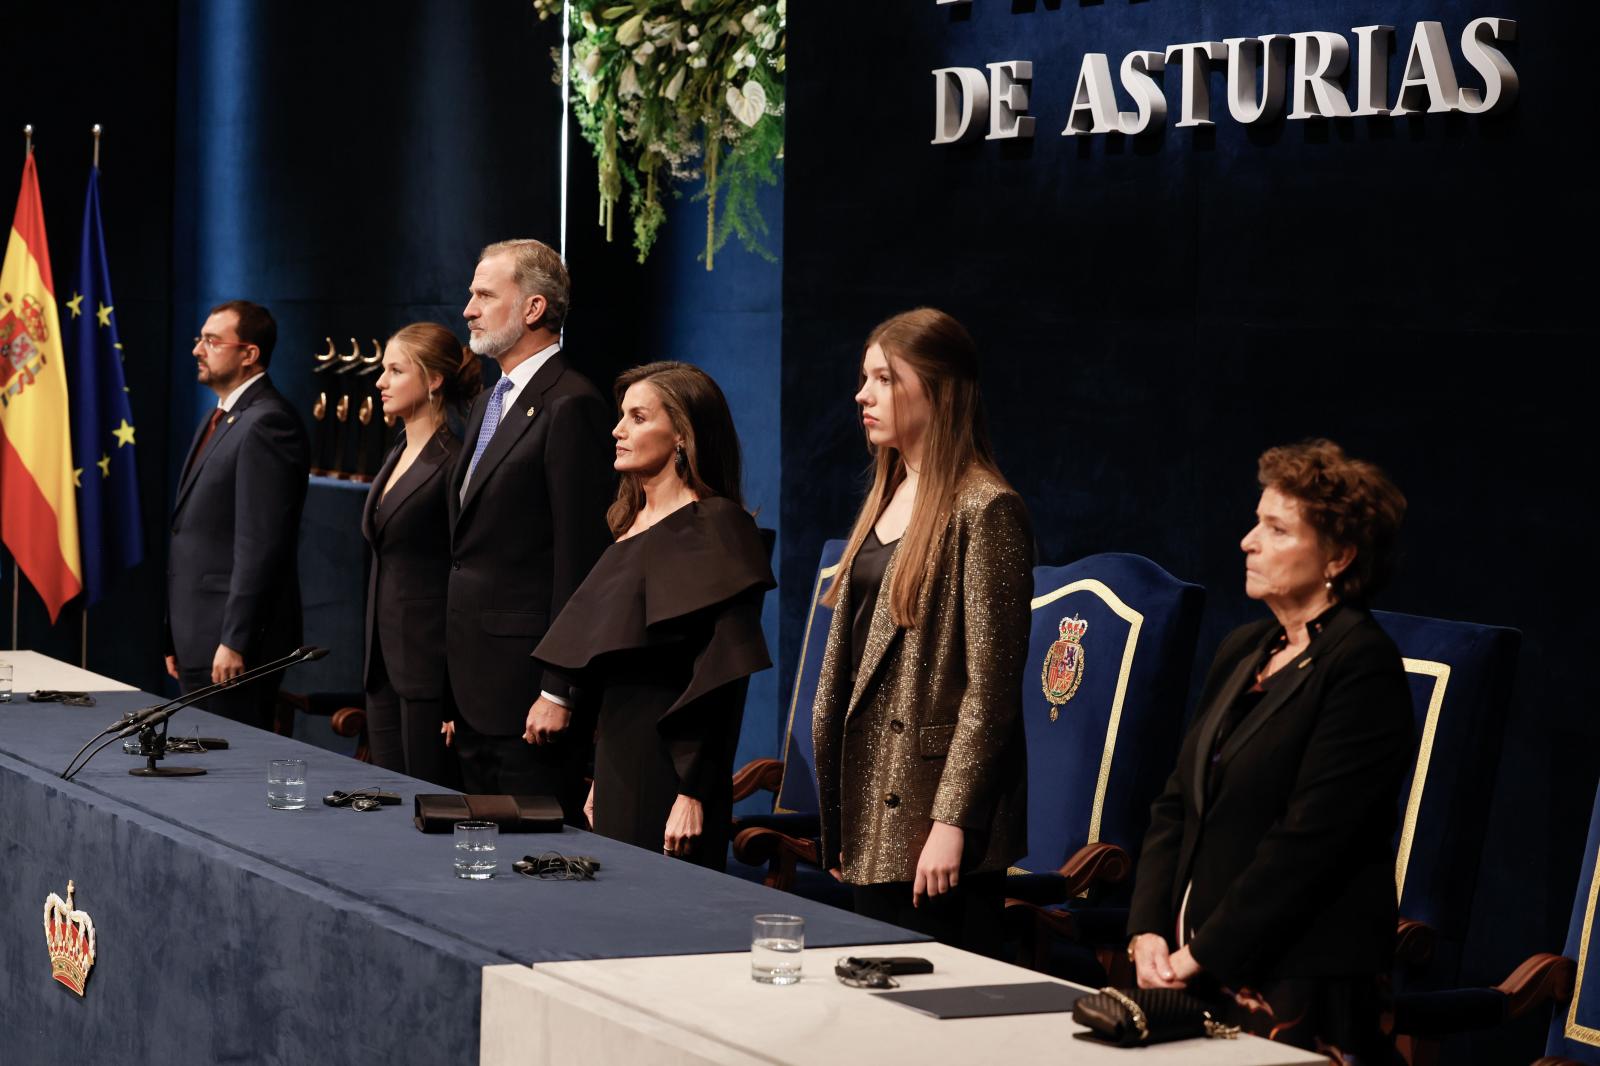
<point x="667" y="630"/>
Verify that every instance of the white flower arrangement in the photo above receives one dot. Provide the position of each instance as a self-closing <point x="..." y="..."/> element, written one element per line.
<point x="680" y="90"/>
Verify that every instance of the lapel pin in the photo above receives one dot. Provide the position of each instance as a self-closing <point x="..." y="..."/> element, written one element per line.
<point x="531" y="410"/>
<point x="230" y="419"/>
<point x="1303" y="664"/>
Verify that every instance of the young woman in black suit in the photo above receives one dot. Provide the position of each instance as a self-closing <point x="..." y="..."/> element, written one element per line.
<point x="1267" y="875"/>
<point x="406" y="523"/>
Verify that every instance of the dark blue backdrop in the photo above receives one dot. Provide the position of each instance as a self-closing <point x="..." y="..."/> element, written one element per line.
<point x="1155" y="312"/>
<point x="1152" y="312"/>
<point x="343" y="164"/>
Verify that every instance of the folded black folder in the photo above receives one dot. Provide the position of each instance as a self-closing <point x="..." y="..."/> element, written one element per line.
<point x="988" y="1001"/>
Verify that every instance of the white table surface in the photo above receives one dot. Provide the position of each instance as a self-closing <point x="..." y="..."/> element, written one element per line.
<point x="32" y="671"/>
<point x="690" y="1010"/>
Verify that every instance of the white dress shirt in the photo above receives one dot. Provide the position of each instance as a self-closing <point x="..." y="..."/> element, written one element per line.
<point x="227" y="402"/>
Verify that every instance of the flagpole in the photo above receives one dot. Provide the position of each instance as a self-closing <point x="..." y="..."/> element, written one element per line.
<point x="83" y="643"/>
<point x="16" y="567"/>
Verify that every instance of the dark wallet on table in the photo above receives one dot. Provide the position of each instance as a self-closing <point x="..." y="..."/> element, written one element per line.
<point x="439" y="813"/>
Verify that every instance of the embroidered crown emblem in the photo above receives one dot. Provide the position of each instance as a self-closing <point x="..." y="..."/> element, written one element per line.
<point x="70" y="936"/>
<point x="1073" y="628"/>
<point x="1063" y="665"/>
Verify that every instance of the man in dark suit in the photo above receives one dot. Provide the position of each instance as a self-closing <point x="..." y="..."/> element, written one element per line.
<point x="529" y="496"/>
<point x="233" y="584"/>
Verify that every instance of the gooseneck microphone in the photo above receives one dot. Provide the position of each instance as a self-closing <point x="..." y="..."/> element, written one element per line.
<point x="149" y="717"/>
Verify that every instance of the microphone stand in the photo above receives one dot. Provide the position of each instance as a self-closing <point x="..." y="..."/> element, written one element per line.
<point x="143" y="722"/>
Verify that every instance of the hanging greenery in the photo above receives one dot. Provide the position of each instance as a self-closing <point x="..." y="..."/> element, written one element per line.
<point x="680" y="90"/>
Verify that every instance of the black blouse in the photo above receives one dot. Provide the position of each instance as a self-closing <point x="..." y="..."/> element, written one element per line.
<point x="866" y="581"/>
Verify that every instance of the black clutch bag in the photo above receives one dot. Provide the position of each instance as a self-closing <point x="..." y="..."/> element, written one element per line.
<point x="1136" y="1017"/>
<point x="438" y="813"/>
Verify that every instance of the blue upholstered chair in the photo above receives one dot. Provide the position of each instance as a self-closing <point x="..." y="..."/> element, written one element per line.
<point x="1109" y="661"/>
<point x="1422" y="1019"/>
<point x="1461" y="677"/>
<point x="775" y="843"/>
<point x="1575" y="1024"/>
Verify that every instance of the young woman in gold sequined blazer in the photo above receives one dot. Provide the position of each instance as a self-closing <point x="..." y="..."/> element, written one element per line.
<point x="917" y="725"/>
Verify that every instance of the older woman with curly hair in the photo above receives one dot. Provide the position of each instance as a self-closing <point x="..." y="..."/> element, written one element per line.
<point x="1267" y="876"/>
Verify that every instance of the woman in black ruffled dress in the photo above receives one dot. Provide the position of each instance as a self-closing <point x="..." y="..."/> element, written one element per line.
<point x="667" y="626"/>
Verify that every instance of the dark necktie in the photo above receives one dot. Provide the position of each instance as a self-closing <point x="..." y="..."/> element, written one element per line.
<point x="205" y="438"/>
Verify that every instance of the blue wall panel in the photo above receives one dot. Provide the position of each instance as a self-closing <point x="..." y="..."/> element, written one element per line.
<point x="1155" y="311"/>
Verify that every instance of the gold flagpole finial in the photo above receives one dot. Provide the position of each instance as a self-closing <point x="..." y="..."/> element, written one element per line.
<point x="96" y="131"/>
<point x="27" y="133"/>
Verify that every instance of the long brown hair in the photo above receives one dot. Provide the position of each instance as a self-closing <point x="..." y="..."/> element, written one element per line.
<point x="940" y="352"/>
<point x="711" y="464"/>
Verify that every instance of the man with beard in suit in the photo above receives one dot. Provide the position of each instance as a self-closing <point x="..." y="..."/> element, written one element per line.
<point x="530" y="491"/>
<point x="233" y="583"/>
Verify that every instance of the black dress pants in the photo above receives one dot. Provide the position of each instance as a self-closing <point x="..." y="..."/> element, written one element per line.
<point x="496" y="765"/>
<point x="403" y="734"/>
<point x="969" y="916"/>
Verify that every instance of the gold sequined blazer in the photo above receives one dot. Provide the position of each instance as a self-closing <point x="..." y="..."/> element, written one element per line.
<point x="930" y="727"/>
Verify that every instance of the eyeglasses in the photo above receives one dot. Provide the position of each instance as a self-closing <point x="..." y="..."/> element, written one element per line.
<point x="212" y="344"/>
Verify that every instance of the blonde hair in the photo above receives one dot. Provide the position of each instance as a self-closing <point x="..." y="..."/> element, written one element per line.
<point x="941" y="353"/>
<point x="433" y="349"/>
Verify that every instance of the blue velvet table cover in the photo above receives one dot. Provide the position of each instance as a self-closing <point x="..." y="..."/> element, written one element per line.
<point x="228" y="932"/>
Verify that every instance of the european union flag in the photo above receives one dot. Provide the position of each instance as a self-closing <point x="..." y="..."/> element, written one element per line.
<point x="110" y="534"/>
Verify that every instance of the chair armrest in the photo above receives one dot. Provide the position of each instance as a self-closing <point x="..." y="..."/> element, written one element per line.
<point x="1095" y="864"/>
<point x="1090" y="866"/>
<point x="348" y="721"/>
<point x="1543" y="978"/>
<point x="755" y="776"/>
<point x="1021" y="916"/>
<point x="1414" y="943"/>
<point x="779" y="851"/>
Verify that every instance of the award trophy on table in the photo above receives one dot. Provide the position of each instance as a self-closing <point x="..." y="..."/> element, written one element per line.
<point x="322" y="432"/>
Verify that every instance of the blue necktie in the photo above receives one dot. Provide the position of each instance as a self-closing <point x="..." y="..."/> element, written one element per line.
<point x="491" y="421"/>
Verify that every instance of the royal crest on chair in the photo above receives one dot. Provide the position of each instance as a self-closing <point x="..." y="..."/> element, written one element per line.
<point x="1063" y="665"/>
<point x="70" y="936"/>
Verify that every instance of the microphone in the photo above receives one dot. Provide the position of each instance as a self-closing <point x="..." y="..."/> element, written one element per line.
<point x="137" y="721"/>
<point x="157" y="715"/>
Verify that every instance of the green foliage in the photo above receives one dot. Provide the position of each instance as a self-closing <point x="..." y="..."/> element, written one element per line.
<point x="680" y="90"/>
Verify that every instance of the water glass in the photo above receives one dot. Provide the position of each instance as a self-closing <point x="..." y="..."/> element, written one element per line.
<point x="475" y="847"/>
<point x="286" y="784"/>
<point x="776" y="941"/>
<point x="5" y="682"/>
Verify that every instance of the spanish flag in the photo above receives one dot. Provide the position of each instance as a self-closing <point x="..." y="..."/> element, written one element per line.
<point x="38" y="512"/>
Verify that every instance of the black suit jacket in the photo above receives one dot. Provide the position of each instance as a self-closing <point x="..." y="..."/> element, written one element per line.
<point x="531" y="525"/>
<point x="233" y="572"/>
<point x="1290" y="849"/>
<point x="409" y="534"/>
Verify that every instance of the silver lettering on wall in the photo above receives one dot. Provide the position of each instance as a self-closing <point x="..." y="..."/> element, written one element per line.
<point x="1312" y="71"/>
